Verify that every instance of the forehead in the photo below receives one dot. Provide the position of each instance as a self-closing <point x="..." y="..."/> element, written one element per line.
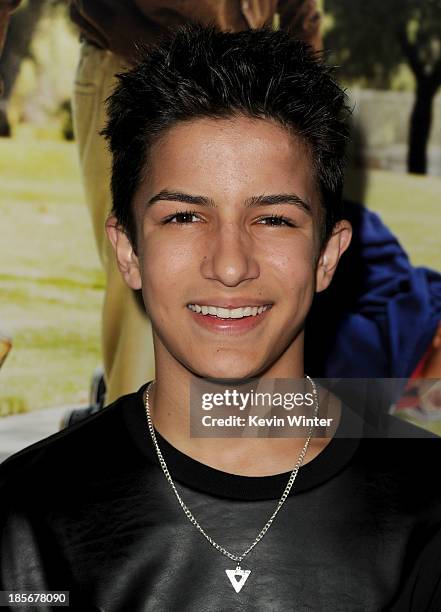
<point x="232" y="157"/>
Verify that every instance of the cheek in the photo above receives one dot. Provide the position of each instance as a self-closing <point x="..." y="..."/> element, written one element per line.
<point x="293" y="267"/>
<point x="166" y="260"/>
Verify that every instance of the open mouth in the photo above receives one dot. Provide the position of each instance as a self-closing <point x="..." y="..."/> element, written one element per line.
<point x="229" y="313"/>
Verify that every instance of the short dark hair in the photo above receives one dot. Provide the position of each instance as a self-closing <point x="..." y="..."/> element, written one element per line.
<point x="200" y="72"/>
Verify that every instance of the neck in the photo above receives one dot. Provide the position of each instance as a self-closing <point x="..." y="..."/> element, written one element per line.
<point x="170" y="412"/>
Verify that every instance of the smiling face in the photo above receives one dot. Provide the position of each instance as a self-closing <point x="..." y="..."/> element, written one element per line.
<point x="228" y="248"/>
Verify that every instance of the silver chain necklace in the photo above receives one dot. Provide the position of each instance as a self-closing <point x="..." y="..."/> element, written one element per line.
<point x="238" y="576"/>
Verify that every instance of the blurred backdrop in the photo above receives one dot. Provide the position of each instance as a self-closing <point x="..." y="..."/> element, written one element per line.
<point x="389" y="58"/>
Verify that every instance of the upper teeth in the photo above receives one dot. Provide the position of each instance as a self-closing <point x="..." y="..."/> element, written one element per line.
<point x="228" y="313"/>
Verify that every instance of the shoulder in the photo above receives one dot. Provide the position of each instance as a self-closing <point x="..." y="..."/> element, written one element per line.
<point x="402" y="464"/>
<point x="76" y="454"/>
<point x="421" y="587"/>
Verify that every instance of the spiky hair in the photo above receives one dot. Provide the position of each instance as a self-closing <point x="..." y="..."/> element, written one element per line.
<point x="199" y="72"/>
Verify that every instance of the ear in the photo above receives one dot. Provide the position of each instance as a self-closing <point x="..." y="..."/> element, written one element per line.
<point x="331" y="252"/>
<point x="126" y="257"/>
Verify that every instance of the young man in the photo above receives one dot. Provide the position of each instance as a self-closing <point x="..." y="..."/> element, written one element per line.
<point x="110" y="32"/>
<point x="227" y="172"/>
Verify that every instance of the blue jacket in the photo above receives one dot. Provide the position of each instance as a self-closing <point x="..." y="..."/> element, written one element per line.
<point x="380" y="313"/>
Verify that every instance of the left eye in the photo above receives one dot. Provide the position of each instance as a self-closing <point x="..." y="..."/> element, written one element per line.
<point x="276" y="221"/>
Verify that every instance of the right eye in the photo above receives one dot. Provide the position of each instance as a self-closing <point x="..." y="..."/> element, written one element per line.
<point x="183" y="218"/>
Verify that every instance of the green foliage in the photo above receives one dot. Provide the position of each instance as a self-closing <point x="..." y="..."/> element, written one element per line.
<point x="12" y="405"/>
<point x="371" y="40"/>
<point x="409" y="205"/>
<point x="50" y="277"/>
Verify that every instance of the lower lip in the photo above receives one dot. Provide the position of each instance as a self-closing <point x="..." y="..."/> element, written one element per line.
<point x="229" y="326"/>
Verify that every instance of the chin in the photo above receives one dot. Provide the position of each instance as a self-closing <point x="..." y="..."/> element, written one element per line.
<point x="226" y="372"/>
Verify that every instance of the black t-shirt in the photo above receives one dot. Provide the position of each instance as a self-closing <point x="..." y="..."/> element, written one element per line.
<point x="89" y="510"/>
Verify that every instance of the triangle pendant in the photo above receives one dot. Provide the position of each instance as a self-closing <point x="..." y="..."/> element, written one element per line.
<point x="238" y="577"/>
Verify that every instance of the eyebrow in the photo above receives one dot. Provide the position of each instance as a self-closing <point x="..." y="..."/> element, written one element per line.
<point x="279" y="198"/>
<point x="254" y="201"/>
<point x="177" y="196"/>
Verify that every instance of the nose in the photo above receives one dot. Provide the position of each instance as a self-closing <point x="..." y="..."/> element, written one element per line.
<point x="230" y="257"/>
